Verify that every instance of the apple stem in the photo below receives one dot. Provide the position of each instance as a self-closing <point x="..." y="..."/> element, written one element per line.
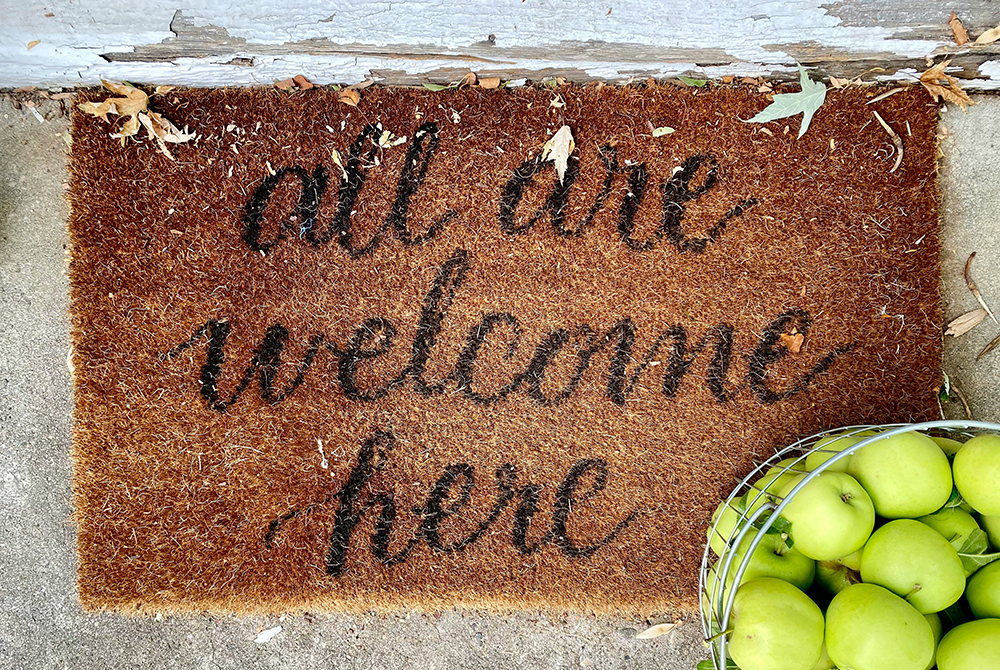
<point x="718" y="635"/>
<point x="916" y="588"/>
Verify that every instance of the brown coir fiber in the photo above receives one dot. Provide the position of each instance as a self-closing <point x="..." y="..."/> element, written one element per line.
<point x="319" y="370"/>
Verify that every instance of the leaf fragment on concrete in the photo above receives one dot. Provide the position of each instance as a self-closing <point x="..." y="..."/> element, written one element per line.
<point x="989" y="347"/>
<point x="958" y="31"/>
<point x="656" y="631"/>
<point x="975" y="289"/>
<point x="989" y="37"/>
<point x="942" y="85"/>
<point x="32" y="44"/>
<point x="963" y="324"/>
<point x="558" y="149"/>
<point x="267" y="635"/>
<point x="805" y="102"/>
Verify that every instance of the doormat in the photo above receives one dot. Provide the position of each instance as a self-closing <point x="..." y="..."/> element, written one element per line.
<point x="392" y="356"/>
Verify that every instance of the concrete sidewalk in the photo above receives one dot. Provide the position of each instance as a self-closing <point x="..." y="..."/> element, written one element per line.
<point x="41" y="625"/>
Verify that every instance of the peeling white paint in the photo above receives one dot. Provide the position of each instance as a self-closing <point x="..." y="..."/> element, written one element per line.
<point x="991" y="70"/>
<point x="751" y="34"/>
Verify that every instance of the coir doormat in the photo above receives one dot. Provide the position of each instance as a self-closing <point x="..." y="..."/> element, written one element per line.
<point x="384" y="356"/>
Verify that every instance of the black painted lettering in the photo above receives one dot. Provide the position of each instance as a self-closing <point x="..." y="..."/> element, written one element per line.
<point x="565" y="502"/>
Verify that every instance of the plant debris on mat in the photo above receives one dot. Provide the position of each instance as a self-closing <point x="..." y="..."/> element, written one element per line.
<point x="479" y="348"/>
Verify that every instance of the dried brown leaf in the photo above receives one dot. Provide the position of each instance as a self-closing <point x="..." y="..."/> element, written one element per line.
<point x="989" y="37"/>
<point x="963" y="324"/>
<point x="303" y="83"/>
<point x="792" y="342"/>
<point x="32" y="44"/>
<point x="285" y="84"/>
<point x="558" y="150"/>
<point x="971" y="284"/>
<point x="989" y="347"/>
<point x="656" y="631"/>
<point x="162" y="130"/>
<point x="98" y="109"/>
<point x="161" y="90"/>
<point x="468" y="80"/>
<point x="950" y="90"/>
<point x="349" y="96"/>
<point x="958" y="31"/>
<point x="133" y="101"/>
<point x="130" y="128"/>
<point x="489" y="82"/>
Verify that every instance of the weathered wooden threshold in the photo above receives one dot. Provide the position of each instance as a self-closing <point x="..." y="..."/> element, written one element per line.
<point x="576" y="61"/>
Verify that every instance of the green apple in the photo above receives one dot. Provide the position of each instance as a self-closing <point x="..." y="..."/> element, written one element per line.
<point x="972" y="646"/>
<point x="914" y="561"/>
<point x="835" y="576"/>
<point x="949" y="446"/>
<point x="765" y="489"/>
<point x="771" y="558"/>
<point x="869" y="628"/>
<point x="991" y="524"/>
<point x="937" y="628"/>
<point x="775" y="627"/>
<point x="831" y="516"/>
<point x="723" y="526"/>
<point x="830" y="446"/>
<point x="954" y="524"/>
<point x="977" y="473"/>
<point x="983" y="592"/>
<point x="824" y="662"/>
<point x="907" y="475"/>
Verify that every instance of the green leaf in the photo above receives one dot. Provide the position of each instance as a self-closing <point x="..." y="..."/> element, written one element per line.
<point x="953" y="616"/>
<point x="945" y="393"/>
<point x="805" y="102"/>
<point x="437" y="87"/>
<point x="972" y="562"/>
<point x="692" y="82"/>
<point x="741" y="504"/>
<point x="710" y="665"/>
<point x="781" y="526"/>
<point x="976" y="543"/>
<point x="955" y="499"/>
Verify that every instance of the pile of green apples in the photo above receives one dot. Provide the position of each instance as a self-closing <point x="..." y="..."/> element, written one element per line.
<point x="887" y="559"/>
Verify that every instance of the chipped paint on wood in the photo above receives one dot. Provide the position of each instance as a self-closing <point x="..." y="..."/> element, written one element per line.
<point x="252" y="43"/>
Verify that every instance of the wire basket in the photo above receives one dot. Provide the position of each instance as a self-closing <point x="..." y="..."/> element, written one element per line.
<point x="716" y="599"/>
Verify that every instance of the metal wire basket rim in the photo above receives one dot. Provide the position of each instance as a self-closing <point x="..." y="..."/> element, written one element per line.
<point x="726" y="560"/>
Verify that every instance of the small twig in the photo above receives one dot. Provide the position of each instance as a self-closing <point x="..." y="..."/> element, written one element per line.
<point x="961" y="396"/>
<point x="897" y="142"/>
<point x="886" y="95"/>
<point x="989" y="347"/>
<point x="975" y="291"/>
